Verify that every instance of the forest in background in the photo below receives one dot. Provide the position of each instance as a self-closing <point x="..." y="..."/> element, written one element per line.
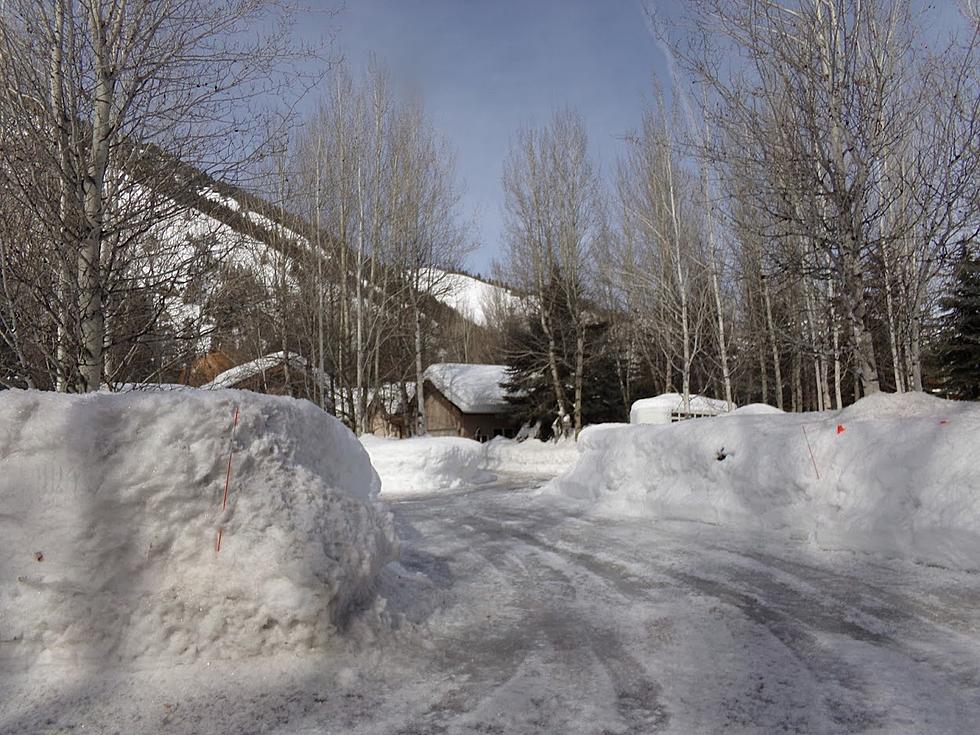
<point x="795" y="220"/>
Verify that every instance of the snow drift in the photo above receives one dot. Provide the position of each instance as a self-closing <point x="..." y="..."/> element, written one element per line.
<point x="530" y="456"/>
<point x="892" y="474"/>
<point x="426" y="464"/>
<point x="111" y="506"/>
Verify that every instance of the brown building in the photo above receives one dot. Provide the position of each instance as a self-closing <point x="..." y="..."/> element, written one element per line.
<point x="391" y="410"/>
<point x="467" y="400"/>
<point x="278" y="374"/>
<point x="206" y="368"/>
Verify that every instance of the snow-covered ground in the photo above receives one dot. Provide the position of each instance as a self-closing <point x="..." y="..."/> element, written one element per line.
<point x="510" y="610"/>
<point x="530" y="456"/>
<point x="431" y="465"/>
<point x="892" y="474"/>
<point x="425" y="465"/>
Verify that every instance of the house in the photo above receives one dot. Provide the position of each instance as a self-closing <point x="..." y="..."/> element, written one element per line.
<point x="206" y="368"/>
<point x="668" y="408"/>
<point x="390" y="410"/>
<point x="467" y="400"/>
<point x="279" y="373"/>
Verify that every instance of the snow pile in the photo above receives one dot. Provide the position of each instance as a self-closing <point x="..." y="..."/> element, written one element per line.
<point x="893" y="474"/>
<point x="530" y="456"/>
<point x="659" y="409"/>
<point x="471" y="388"/>
<point x="425" y="465"/>
<point x="755" y="409"/>
<point x="111" y="506"/>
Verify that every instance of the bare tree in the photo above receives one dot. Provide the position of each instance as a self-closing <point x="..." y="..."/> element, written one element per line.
<point x="553" y="212"/>
<point x="129" y="95"/>
<point x="664" y="259"/>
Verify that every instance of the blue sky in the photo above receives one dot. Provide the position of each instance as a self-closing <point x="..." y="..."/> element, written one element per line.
<point x="485" y="68"/>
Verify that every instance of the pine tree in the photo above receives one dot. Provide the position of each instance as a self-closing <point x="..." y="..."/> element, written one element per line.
<point x="959" y="353"/>
<point x="529" y="386"/>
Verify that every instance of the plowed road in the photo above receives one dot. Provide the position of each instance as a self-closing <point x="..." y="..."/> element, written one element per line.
<point x="510" y="613"/>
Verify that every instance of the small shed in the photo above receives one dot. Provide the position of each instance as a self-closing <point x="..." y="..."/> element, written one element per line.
<point x="668" y="408"/>
<point x="467" y="400"/>
<point x="390" y="410"/>
<point x="206" y="368"/>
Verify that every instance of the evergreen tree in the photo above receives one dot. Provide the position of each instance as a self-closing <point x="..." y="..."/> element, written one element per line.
<point x="959" y="353"/>
<point x="529" y="385"/>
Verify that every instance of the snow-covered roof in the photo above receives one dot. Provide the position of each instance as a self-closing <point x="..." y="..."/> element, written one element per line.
<point x="658" y="409"/>
<point x="471" y="388"/>
<point x="250" y="369"/>
<point x="389" y="395"/>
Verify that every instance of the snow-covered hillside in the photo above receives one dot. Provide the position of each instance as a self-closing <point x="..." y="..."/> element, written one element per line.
<point x="472" y="298"/>
<point x="112" y="506"/>
<point x="239" y="235"/>
<point x="892" y="474"/>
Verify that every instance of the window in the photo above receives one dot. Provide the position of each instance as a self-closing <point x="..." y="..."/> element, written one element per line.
<point x="676" y="416"/>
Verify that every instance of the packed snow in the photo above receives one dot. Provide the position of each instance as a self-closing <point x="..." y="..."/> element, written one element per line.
<point x="472" y="388"/>
<point x="130" y="387"/>
<point x="112" y="507"/>
<point x="429" y="465"/>
<point x="425" y="465"/>
<point x="892" y="474"/>
<point x="509" y="610"/>
<point x="530" y="456"/>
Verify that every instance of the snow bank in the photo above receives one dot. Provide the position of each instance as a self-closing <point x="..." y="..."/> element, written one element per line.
<point x="530" y="456"/>
<point x="893" y="474"/>
<point x="424" y="465"/>
<point x="111" y="505"/>
<point x="755" y="409"/>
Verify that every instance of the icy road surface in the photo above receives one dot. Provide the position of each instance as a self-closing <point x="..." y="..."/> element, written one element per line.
<point x="519" y="615"/>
